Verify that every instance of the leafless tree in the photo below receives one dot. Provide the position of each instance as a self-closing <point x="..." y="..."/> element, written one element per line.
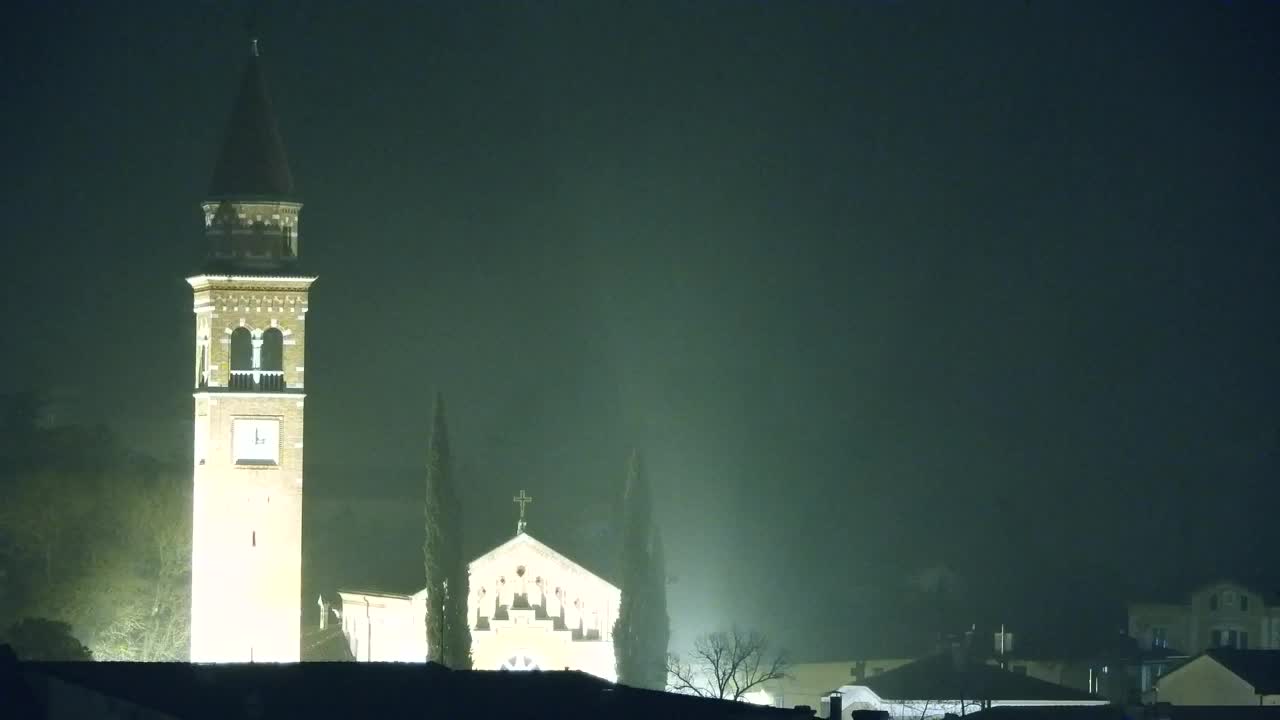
<point x="727" y="665"/>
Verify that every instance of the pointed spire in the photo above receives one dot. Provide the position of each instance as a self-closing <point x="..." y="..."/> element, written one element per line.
<point x="252" y="163"/>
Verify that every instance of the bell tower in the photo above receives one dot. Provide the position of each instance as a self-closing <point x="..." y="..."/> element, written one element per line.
<point x="251" y="310"/>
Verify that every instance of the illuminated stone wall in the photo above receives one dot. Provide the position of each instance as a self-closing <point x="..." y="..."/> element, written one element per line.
<point x="246" y="572"/>
<point x="385" y="628"/>
<point x="533" y="606"/>
<point x="530" y="608"/>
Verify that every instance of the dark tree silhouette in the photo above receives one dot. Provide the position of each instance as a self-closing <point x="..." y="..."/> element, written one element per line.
<point x="448" y="636"/>
<point x="38" y="639"/>
<point x="642" y="629"/>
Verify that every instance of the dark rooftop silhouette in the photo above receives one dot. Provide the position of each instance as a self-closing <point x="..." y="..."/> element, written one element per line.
<point x="1121" y="712"/>
<point x="343" y="689"/>
<point x="938" y="678"/>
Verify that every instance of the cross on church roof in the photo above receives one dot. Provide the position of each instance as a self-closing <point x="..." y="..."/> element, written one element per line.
<point x="522" y="499"/>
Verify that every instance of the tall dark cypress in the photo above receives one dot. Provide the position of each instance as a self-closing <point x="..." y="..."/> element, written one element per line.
<point x="641" y="630"/>
<point x="448" y="636"/>
<point x="457" y="631"/>
<point x="661" y="621"/>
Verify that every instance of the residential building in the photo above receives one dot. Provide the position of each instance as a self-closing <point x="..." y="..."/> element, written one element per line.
<point x="1220" y="614"/>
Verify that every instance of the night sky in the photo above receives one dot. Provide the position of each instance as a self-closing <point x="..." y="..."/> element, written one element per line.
<point x="876" y="286"/>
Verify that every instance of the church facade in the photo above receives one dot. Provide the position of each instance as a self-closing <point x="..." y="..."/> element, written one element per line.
<point x="251" y="306"/>
<point x="530" y="608"/>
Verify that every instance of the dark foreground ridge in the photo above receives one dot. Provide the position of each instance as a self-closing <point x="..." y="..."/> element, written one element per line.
<point x="336" y="690"/>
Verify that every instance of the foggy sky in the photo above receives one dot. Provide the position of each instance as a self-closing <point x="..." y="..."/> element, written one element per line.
<point x="877" y="286"/>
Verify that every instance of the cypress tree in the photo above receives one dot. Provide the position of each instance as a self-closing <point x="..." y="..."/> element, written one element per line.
<point x="457" y="632"/>
<point x="661" y="621"/>
<point x="641" y="631"/>
<point x="448" y="635"/>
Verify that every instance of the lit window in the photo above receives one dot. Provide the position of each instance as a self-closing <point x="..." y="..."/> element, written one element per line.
<point x="1230" y="638"/>
<point x="1159" y="637"/>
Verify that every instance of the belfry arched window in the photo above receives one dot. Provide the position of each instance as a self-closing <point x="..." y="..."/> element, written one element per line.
<point x="271" y="360"/>
<point x="241" y="358"/>
<point x="273" y="349"/>
<point x="241" y="349"/>
<point x="202" y="367"/>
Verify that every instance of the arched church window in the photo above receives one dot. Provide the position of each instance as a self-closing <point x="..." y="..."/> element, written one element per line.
<point x="273" y="350"/>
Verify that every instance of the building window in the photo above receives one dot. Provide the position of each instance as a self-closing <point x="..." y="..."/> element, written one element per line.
<point x="1230" y="638"/>
<point x="241" y="349"/>
<point x="1244" y="603"/>
<point x="1213" y="602"/>
<point x="272" y="349"/>
<point x="1159" y="637"/>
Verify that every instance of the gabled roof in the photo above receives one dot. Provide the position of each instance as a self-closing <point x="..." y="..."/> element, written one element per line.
<point x="1180" y="598"/>
<point x="1259" y="668"/>
<point x="524" y="539"/>
<point x="520" y="540"/>
<point x="252" y="163"/>
<point x="938" y="678"/>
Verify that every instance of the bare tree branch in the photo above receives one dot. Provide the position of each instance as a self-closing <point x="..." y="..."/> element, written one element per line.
<point x="726" y="664"/>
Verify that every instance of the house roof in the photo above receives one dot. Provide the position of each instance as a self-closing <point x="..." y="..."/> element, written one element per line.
<point x="338" y="689"/>
<point x="1180" y="597"/>
<point x="252" y="163"/>
<point x="1259" y="668"/>
<point x="938" y="677"/>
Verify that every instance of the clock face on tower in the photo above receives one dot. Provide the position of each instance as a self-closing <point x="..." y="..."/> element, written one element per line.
<point x="256" y="441"/>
